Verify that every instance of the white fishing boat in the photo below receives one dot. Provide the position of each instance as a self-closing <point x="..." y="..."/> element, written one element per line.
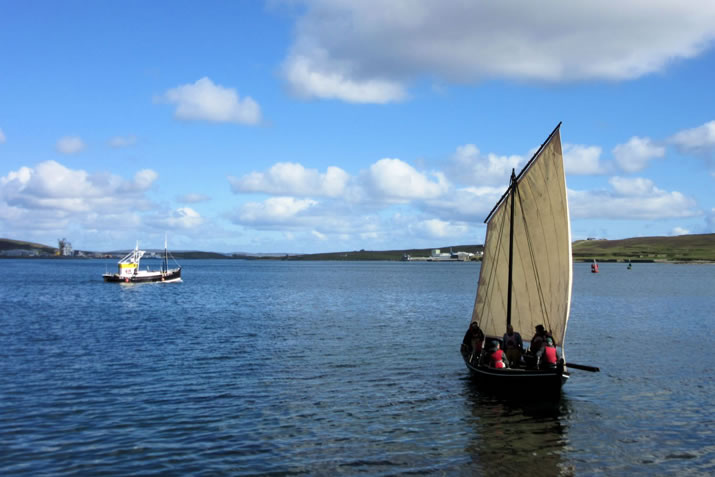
<point x="129" y="272"/>
<point x="526" y="274"/>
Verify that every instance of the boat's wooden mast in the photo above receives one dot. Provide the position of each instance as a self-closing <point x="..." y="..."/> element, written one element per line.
<point x="512" y="193"/>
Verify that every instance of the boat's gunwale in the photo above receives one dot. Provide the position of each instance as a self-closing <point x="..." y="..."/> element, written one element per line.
<point x="153" y="277"/>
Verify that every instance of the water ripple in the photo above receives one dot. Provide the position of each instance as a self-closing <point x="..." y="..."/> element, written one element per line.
<point x="274" y="368"/>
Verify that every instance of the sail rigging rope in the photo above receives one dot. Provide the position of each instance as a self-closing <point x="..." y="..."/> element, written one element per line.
<point x="490" y="279"/>
<point x="175" y="261"/>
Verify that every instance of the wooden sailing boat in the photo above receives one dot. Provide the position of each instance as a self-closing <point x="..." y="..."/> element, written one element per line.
<point x="526" y="272"/>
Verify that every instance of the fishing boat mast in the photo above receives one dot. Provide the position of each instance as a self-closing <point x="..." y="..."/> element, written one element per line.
<point x="166" y="255"/>
<point x="512" y="191"/>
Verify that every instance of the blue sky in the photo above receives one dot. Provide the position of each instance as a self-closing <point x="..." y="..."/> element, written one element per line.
<point x="317" y="126"/>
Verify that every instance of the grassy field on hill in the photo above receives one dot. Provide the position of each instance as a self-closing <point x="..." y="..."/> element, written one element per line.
<point x="9" y="244"/>
<point x="681" y="248"/>
<point x="368" y="254"/>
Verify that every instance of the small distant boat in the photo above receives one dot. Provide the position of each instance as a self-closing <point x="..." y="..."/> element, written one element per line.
<point x="594" y="267"/>
<point x="129" y="269"/>
<point x="629" y="265"/>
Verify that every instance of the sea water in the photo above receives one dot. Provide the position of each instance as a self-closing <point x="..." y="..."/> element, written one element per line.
<point x="324" y="368"/>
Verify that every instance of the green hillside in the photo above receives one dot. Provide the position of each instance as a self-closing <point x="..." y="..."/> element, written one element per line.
<point x="381" y="255"/>
<point x="681" y="248"/>
<point x="197" y="255"/>
<point x="9" y="244"/>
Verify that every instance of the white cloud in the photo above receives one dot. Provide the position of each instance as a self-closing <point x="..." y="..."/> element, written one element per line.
<point x="184" y="218"/>
<point x="465" y="204"/>
<point x="309" y="80"/>
<point x="710" y="221"/>
<point x="70" y="145"/>
<point x="204" y="100"/>
<point x="469" y="166"/>
<point x="117" y="142"/>
<point x="2" y="137"/>
<point x="287" y="178"/>
<point x="631" y="198"/>
<point x="274" y="209"/>
<point x="369" y="51"/>
<point x="439" y="229"/>
<point x="679" y="231"/>
<point x="636" y="153"/>
<point x="582" y="160"/>
<point x="387" y="180"/>
<point x="318" y="235"/>
<point x="193" y="198"/>
<point x="53" y="187"/>
<point x="698" y="140"/>
<point x="144" y="178"/>
<point x="393" y="179"/>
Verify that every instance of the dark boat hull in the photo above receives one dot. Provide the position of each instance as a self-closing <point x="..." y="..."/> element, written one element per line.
<point x="170" y="276"/>
<point x="519" y="383"/>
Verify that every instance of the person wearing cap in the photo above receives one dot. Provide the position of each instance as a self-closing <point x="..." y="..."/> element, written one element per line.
<point x="497" y="357"/>
<point x="550" y="356"/>
<point x="513" y="345"/>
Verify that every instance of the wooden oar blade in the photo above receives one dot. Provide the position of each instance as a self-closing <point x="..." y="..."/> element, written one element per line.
<point x="583" y="367"/>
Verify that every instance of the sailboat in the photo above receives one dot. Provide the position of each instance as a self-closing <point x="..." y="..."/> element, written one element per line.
<point x="526" y="272"/>
<point x="594" y="266"/>
<point x="129" y="272"/>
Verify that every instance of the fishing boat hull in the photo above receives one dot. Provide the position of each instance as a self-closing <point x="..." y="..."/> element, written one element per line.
<point x="172" y="275"/>
<point x="518" y="382"/>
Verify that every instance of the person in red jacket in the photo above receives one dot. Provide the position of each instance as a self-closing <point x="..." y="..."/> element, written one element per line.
<point x="550" y="357"/>
<point x="497" y="357"/>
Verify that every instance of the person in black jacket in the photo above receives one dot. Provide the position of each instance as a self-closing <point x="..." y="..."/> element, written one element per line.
<point x="472" y="342"/>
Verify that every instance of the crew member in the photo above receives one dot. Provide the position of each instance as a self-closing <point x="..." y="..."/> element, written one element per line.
<point x="497" y="357"/>
<point x="513" y="346"/>
<point x="549" y="357"/>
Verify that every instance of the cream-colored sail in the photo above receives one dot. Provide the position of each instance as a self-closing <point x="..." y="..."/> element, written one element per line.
<point x="542" y="270"/>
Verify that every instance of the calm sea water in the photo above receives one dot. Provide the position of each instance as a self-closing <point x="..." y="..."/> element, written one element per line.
<point x="326" y="368"/>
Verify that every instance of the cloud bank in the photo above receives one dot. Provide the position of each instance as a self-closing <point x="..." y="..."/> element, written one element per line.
<point x="370" y="51"/>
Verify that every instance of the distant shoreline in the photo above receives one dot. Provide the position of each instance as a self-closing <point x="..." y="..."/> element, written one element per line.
<point x="696" y="248"/>
<point x="297" y="258"/>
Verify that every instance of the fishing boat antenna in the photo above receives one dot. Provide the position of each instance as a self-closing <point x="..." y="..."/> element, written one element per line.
<point x="166" y="254"/>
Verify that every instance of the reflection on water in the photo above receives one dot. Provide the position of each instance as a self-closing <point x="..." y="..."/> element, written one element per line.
<point x="514" y="437"/>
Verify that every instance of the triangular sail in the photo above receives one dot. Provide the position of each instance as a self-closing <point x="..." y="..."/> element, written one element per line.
<point x="542" y="267"/>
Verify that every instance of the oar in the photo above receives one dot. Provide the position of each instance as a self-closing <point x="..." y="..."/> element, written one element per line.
<point x="583" y="367"/>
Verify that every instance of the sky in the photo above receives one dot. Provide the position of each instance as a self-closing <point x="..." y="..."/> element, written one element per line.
<point x="304" y="126"/>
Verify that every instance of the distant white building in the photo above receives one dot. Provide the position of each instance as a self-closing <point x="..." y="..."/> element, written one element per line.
<point x="64" y="247"/>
